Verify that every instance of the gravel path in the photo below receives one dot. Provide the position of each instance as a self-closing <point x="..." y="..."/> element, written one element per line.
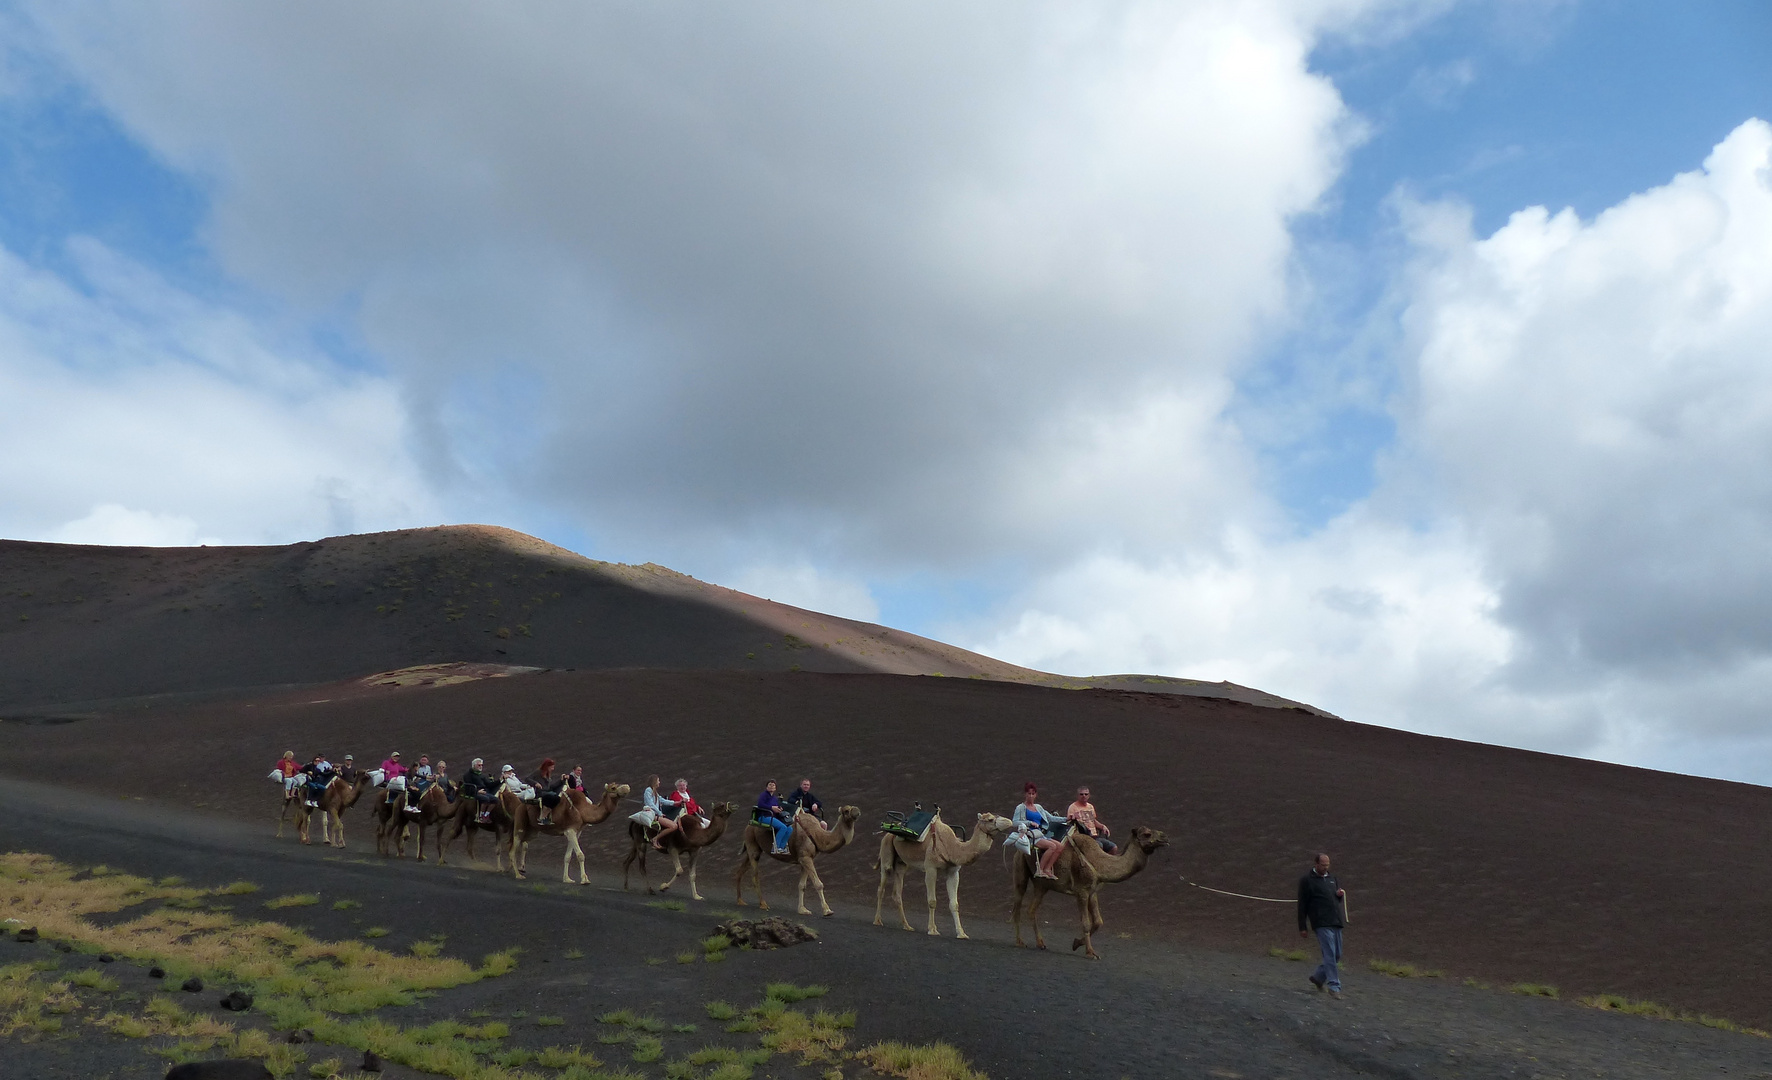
<point x="1151" y="1009"/>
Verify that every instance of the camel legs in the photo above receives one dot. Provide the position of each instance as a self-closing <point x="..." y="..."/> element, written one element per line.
<point x="752" y="861"/>
<point x="886" y="863"/>
<point x="694" y="893"/>
<point x="337" y="820"/>
<point x="898" y="894"/>
<point x="1034" y="916"/>
<point x="809" y="873"/>
<point x="930" y="873"/>
<point x="677" y="871"/>
<point x="1021" y="892"/>
<point x="638" y="851"/>
<point x="1084" y="900"/>
<point x="954" y="901"/>
<point x="573" y="851"/>
<point x="519" y="853"/>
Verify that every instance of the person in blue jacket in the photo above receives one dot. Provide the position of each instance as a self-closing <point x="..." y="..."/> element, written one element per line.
<point x="771" y="813"/>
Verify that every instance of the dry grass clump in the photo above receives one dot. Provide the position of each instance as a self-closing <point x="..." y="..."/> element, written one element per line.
<point x="1536" y="990"/>
<point x="1621" y="1004"/>
<point x="1398" y="970"/>
<point x="295" y="900"/>
<point x="30" y="1006"/>
<point x="936" y="1061"/>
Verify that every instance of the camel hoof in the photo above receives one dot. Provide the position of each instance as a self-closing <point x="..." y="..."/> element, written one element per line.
<point x="1040" y="945"/>
<point x="804" y="911"/>
<point x="961" y="937"/>
<point x="828" y="914"/>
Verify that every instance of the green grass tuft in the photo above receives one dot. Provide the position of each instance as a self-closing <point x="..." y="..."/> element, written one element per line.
<point x="1294" y="955"/>
<point x="648" y="1048"/>
<point x="375" y="932"/>
<point x="1399" y="970"/>
<point x="720" y="1010"/>
<point x="666" y="905"/>
<point x="294" y="900"/>
<point x="345" y="905"/>
<point x="1535" y="990"/>
<point x="787" y="993"/>
<point x="237" y="888"/>
<point x="549" y="1021"/>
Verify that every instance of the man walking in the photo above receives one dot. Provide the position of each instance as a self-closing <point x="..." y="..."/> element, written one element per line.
<point x="1321" y="901"/>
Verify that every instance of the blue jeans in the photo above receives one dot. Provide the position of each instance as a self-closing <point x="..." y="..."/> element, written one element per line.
<point x="1328" y="973"/>
<point x="783" y="830"/>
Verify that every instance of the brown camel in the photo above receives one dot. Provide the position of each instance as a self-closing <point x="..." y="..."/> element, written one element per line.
<point x="809" y="840"/>
<point x="1082" y="869"/>
<point x="498" y="823"/>
<point x="393" y="819"/>
<point x="688" y="840"/>
<point x="337" y="797"/>
<point x="296" y="803"/>
<point x="572" y="813"/>
<point x="942" y="849"/>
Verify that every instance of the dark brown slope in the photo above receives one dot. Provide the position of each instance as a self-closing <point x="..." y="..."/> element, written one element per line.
<point x="91" y="624"/>
<point x="1490" y="863"/>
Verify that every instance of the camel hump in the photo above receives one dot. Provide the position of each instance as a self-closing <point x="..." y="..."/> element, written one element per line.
<point x="914" y="825"/>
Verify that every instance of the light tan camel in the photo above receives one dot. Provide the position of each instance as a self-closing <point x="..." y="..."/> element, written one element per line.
<point x="809" y="840"/>
<point x="942" y="849"/>
<point x="338" y="797"/>
<point x="571" y="814"/>
<point x="498" y="823"/>
<point x="687" y="840"/>
<point x="1082" y="869"/>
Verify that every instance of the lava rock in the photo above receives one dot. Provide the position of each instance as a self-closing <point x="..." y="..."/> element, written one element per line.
<point x="229" y="1069"/>
<point x="156" y="972"/>
<point x="371" y="1061"/>
<point x="238" y="1001"/>
<point x="62" y="946"/>
<point x="193" y="985"/>
<point x="771" y="933"/>
<point x="26" y="936"/>
<point x="301" y="1035"/>
<point x="106" y="958"/>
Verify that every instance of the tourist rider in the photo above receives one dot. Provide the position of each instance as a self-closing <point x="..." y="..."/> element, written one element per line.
<point x="1033" y="831"/>
<point x="574" y="779"/>
<point x="291" y="770"/>
<point x="547" y="790"/>
<point x="651" y="815"/>
<point x="476" y="786"/>
<point x="770" y="812"/>
<point x="1082" y="815"/>
<point x="675" y="808"/>
<point x="1322" y="908"/>
<point x="392" y="770"/>
<point x="440" y="777"/>
<point x="417" y="780"/>
<point x="347" y="770"/>
<point x="319" y="774"/>
<point x="802" y="798"/>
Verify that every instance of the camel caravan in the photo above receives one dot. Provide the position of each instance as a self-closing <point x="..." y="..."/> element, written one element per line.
<point x="1069" y="853"/>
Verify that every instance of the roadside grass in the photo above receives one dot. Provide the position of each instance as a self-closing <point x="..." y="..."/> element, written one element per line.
<point x="666" y="905"/>
<point x="1398" y="970"/>
<point x="293" y="900"/>
<point x="345" y="905"/>
<point x="937" y="1061"/>
<point x="687" y="957"/>
<point x="720" y="1010"/>
<point x="1287" y="954"/>
<point x="1536" y="990"/>
<point x="376" y="932"/>
<point x="93" y="979"/>
<point x="237" y="888"/>
<point x="1621" y="1004"/>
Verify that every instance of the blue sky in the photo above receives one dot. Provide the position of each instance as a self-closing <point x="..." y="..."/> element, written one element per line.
<point x="1209" y="341"/>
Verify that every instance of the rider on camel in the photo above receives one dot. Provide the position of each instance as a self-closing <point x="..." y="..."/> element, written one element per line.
<point x="769" y="812"/>
<point x="547" y="790"/>
<point x="673" y="809"/>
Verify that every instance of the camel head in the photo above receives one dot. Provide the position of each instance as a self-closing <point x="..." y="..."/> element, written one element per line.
<point x="1149" y="840"/>
<point x="994" y="826"/>
<point x="848" y="815"/>
<point x="615" y="791"/>
<point x="721" y="811"/>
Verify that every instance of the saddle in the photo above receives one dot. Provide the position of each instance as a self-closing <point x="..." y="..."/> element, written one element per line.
<point x="913" y="826"/>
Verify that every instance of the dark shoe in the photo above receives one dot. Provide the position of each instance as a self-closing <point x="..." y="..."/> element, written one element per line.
<point x="1317" y="983"/>
<point x="1336" y="994"/>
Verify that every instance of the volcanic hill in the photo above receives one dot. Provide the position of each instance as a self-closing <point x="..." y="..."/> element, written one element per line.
<point x="81" y="625"/>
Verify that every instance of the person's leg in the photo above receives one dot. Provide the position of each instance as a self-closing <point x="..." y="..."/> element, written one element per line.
<point x="1049" y="850"/>
<point x="1329" y="972"/>
<point x="782" y="831"/>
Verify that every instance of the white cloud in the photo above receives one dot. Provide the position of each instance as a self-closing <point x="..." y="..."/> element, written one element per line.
<point x="118" y="525"/>
<point x="137" y="413"/>
<point x="1586" y="428"/>
<point x="805" y="586"/>
<point x="822" y="270"/>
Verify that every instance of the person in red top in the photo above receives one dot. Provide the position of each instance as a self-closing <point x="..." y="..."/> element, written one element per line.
<point x="290" y="768"/>
<point x="674" y="808"/>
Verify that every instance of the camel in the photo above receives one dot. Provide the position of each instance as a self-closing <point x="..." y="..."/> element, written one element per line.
<point x="1082" y="869"/>
<point x="810" y="839"/>
<point x="392" y="820"/>
<point x="688" y="840"/>
<point x="499" y="824"/>
<point x="572" y="813"/>
<point x="337" y="797"/>
<point x="942" y="849"/>
<point x="436" y="811"/>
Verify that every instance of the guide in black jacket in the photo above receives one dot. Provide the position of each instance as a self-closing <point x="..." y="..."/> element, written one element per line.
<point x="1322" y="908"/>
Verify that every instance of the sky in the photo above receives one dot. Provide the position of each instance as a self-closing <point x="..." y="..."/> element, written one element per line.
<point x="1409" y="359"/>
